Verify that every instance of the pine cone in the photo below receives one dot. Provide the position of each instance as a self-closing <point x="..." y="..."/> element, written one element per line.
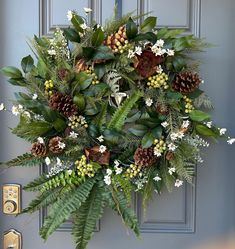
<point x="39" y="149"/>
<point x="81" y="66"/>
<point x="145" y="157"/>
<point x="186" y="82"/>
<point x="63" y="104"/>
<point x="95" y="155"/>
<point x="162" y="109"/>
<point x="116" y="40"/>
<point x="56" y="146"/>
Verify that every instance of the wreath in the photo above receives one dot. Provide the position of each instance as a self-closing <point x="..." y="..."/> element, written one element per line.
<point x="109" y="111"/>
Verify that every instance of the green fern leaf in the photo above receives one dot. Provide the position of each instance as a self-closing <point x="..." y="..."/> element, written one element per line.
<point x="64" y="207"/>
<point x="87" y="216"/>
<point x="26" y="159"/>
<point x="118" y="119"/>
<point x="37" y="183"/>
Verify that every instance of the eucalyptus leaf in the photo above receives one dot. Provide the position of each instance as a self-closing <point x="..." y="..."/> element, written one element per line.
<point x="148" y="24"/>
<point x="147" y="140"/>
<point x="12" y="72"/>
<point x="97" y="37"/>
<point x="199" y="116"/>
<point x="131" y="29"/>
<point x="27" y="64"/>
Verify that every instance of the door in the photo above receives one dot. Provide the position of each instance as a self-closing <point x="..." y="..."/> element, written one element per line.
<point x="190" y="216"/>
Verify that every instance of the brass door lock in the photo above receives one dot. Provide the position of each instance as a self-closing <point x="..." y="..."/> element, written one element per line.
<point x="12" y="240"/>
<point x="11" y="199"/>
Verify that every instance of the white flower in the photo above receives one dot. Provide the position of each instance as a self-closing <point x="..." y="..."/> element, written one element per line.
<point x="51" y="52"/>
<point x="40" y="140"/>
<point x="209" y="124"/>
<point x="172" y="147"/>
<point x="159" y="69"/>
<point x="222" y="131"/>
<point x="101" y="27"/>
<point x="148" y="101"/>
<point x="159" y="43"/>
<point x="70" y="15"/>
<point x="171" y="170"/>
<point x="231" y="140"/>
<point x="174" y="136"/>
<point x="16" y="110"/>
<point x="27" y="114"/>
<point x="202" y="81"/>
<point x="157" y="152"/>
<point x="102" y="148"/>
<point x="69" y="171"/>
<point x="100" y="138"/>
<point x="84" y="26"/>
<point x="116" y="163"/>
<point x="170" y="52"/>
<point x="2" y="107"/>
<point x="138" y="50"/>
<point x="87" y="10"/>
<point x="164" y="124"/>
<point x="118" y="170"/>
<point x="158" y="51"/>
<point x="157" y="178"/>
<point x="73" y="134"/>
<point x="185" y="124"/>
<point x="109" y="172"/>
<point x="35" y="96"/>
<point x="58" y="162"/>
<point x="107" y="179"/>
<point x="131" y="54"/>
<point x="180" y="134"/>
<point x="47" y="161"/>
<point x="61" y="145"/>
<point x="178" y="183"/>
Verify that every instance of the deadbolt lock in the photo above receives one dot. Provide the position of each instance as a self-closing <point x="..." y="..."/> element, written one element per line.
<point x="12" y="240"/>
<point x="11" y="199"/>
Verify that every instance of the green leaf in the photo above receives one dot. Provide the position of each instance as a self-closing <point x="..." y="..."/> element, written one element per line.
<point x="119" y="117"/>
<point x="195" y="94"/>
<point x="149" y="36"/>
<point x="199" y="116"/>
<point x="205" y="131"/>
<point x="12" y="72"/>
<point x="64" y="207"/>
<point x="88" y="52"/>
<point x="79" y="101"/>
<point x="157" y="132"/>
<point x="72" y="35"/>
<point x="138" y="130"/>
<point x="131" y="29"/>
<point x="59" y="124"/>
<point x="97" y="37"/>
<point x="147" y="140"/>
<point x="77" y="21"/>
<point x="86" y="217"/>
<point x="26" y="159"/>
<point x="103" y="53"/>
<point x="17" y="82"/>
<point x="27" y="64"/>
<point x="148" y="24"/>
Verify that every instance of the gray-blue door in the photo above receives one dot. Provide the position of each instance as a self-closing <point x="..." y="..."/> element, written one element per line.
<point x="187" y="218"/>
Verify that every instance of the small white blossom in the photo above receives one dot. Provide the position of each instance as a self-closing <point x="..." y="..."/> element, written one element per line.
<point x="170" y="52"/>
<point x="40" y="140"/>
<point x="73" y="134"/>
<point x="148" y="101"/>
<point x="172" y="147"/>
<point x="109" y="172"/>
<point x="107" y="179"/>
<point x="61" y="145"/>
<point x="118" y="170"/>
<point x="35" y="96"/>
<point x="100" y="138"/>
<point x="69" y="171"/>
<point x="174" y="136"/>
<point x="16" y="110"/>
<point x="159" y="69"/>
<point x="157" y="178"/>
<point x="178" y="183"/>
<point x="209" y="124"/>
<point x="51" y="52"/>
<point x="171" y="170"/>
<point x="138" y="50"/>
<point x="185" y="124"/>
<point x="222" y="131"/>
<point x="158" y="51"/>
<point x="164" y="124"/>
<point x="116" y="163"/>
<point x="159" y="43"/>
<point x="2" y="107"/>
<point x="58" y="162"/>
<point x="131" y="54"/>
<point x="231" y="140"/>
<point x="27" y="114"/>
<point x="69" y="15"/>
<point x="87" y="10"/>
<point x="101" y="27"/>
<point x="157" y="152"/>
<point x="102" y="148"/>
<point x="180" y="134"/>
<point x="84" y="26"/>
<point x="47" y="161"/>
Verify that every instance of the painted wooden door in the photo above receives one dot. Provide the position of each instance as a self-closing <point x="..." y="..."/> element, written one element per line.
<point x="188" y="217"/>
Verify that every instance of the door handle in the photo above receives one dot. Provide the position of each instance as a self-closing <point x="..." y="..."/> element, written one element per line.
<point x="12" y="239"/>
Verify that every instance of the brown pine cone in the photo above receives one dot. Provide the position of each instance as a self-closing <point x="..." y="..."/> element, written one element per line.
<point x="145" y="157"/>
<point x="63" y="104"/>
<point x="39" y="149"/>
<point x="117" y="40"/>
<point x="81" y="66"/>
<point x="56" y="145"/>
<point x="95" y="155"/>
<point x="186" y="82"/>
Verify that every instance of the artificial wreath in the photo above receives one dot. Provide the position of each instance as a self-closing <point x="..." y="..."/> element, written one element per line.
<point x="110" y="111"/>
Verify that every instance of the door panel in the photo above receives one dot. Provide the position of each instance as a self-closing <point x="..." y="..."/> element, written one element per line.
<point x="178" y="220"/>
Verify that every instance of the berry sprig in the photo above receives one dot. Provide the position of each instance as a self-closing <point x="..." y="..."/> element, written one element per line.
<point x="84" y="168"/>
<point x="158" y="81"/>
<point x="48" y="87"/>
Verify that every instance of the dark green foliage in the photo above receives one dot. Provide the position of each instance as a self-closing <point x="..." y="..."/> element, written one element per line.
<point x="26" y="159"/>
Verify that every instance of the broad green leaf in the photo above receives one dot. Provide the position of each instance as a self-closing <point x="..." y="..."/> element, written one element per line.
<point x="17" y="82"/>
<point x="199" y="116"/>
<point x="157" y="132"/>
<point x="205" y="131"/>
<point x="72" y="35"/>
<point x="59" y="124"/>
<point x="77" y="21"/>
<point x="138" y="130"/>
<point x="103" y="53"/>
<point x="149" y="36"/>
<point x="97" y="37"/>
<point x="27" y="64"/>
<point x="147" y="140"/>
<point x="131" y="29"/>
<point x="12" y="72"/>
<point x="148" y="24"/>
<point x="88" y="52"/>
<point x="79" y="101"/>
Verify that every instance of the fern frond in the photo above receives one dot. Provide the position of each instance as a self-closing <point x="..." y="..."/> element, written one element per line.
<point x="87" y="216"/>
<point x="26" y="159"/>
<point x="37" y="183"/>
<point x="64" y="207"/>
<point x="112" y="78"/>
<point x="168" y="179"/>
<point x="100" y="119"/>
<point x="148" y="188"/>
<point x="118" y="119"/>
<point x="203" y="101"/>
